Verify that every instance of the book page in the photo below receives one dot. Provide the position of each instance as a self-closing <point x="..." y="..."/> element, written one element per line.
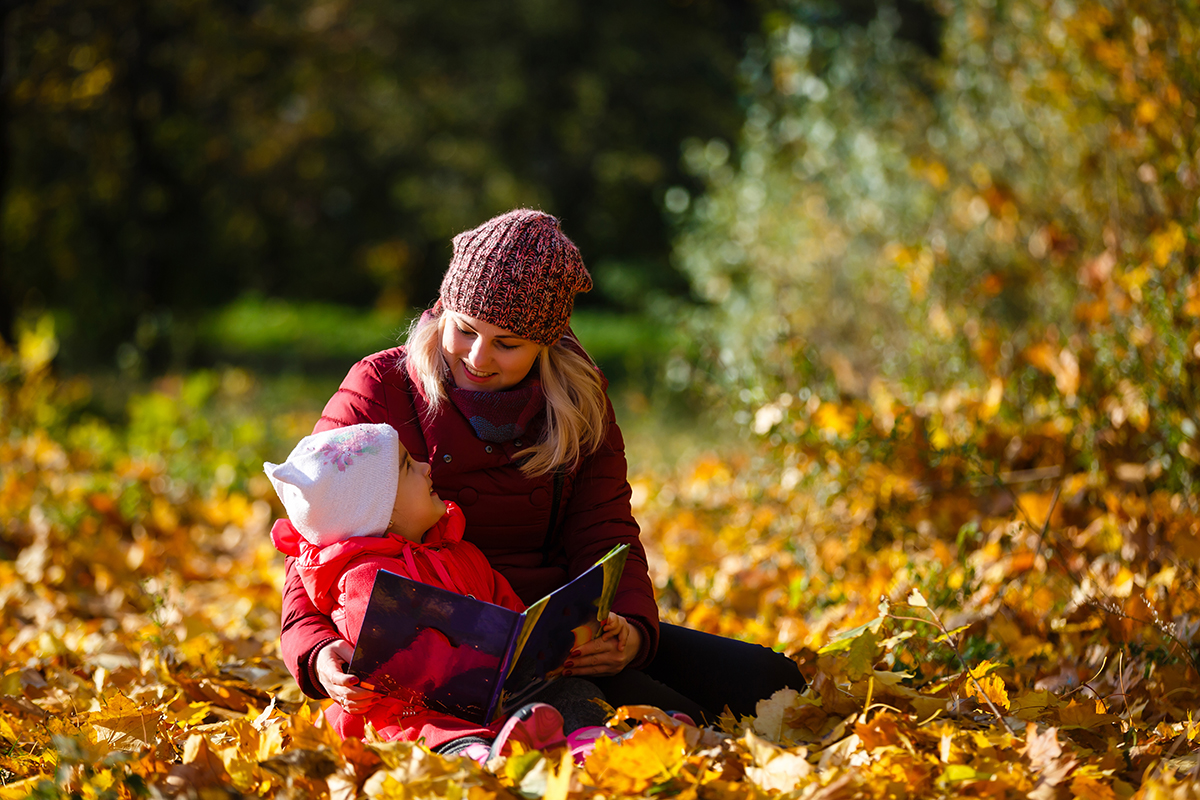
<point x="557" y="624"/>
<point x="440" y="649"/>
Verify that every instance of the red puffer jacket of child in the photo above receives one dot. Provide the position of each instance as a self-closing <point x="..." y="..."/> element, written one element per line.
<point x="508" y="514"/>
<point x="339" y="578"/>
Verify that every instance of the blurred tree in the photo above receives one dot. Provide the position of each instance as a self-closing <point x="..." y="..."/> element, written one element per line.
<point x="166" y="155"/>
<point x="7" y="301"/>
<point x="1018" y="214"/>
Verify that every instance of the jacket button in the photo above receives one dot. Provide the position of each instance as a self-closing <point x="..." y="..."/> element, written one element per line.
<point x="467" y="497"/>
<point x="446" y="458"/>
<point x="487" y="449"/>
<point x="518" y="443"/>
<point x="539" y="497"/>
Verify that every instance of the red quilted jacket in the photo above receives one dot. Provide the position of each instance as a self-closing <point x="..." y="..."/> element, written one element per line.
<point x="339" y="578"/>
<point x="509" y="516"/>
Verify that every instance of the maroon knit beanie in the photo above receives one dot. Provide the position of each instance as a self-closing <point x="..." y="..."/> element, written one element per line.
<point x="519" y="272"/>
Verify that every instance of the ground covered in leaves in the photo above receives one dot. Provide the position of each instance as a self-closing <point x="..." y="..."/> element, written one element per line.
<point x="967" y="631"/>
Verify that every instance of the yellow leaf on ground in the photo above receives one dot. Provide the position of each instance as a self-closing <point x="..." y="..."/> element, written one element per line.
<point x="647" y="757"/>
<point x="201" y="767"/>
<point x="22" y="789"/>
<point x="775" y="769"/>
<point x="558" y="783"/>
<point x="124" y="725"/>
<point x="993" y="690"/>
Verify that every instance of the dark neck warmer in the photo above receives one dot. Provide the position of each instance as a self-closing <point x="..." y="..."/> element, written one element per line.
<point x="500" y="416"/>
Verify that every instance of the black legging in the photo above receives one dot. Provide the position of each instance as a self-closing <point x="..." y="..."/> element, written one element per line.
<point x="700" y="673"/>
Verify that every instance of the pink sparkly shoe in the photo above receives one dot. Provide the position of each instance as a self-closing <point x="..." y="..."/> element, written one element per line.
<point x="537" y="726"/>
<point x="476" y="752"/>
<point x="582" y="742"/>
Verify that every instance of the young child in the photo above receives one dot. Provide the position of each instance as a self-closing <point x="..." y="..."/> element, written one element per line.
<point x="357" y="503"/>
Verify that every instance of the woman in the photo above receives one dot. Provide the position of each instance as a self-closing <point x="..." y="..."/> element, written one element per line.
<point x="497" y="395"/>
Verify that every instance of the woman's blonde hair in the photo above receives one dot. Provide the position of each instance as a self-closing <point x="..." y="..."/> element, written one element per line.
<point x="576" y="408"/>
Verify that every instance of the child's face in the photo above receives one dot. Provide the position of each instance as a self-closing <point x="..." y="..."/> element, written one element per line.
<point x="417" y="507"/>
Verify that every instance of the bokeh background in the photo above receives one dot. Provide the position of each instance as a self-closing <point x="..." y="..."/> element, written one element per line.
<point x="189" y="184"/>
<point x="898" y="299"/>
<point x="785" y="203"/>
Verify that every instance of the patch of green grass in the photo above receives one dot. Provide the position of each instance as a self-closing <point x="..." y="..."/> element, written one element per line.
<point x="254" y="327"/>
<point x="297" y="353"/>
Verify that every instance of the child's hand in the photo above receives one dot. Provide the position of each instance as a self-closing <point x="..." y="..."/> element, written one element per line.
<point x="609" y="653"/>
<point x="340" y="685"/>
<point x="615" y="627"/>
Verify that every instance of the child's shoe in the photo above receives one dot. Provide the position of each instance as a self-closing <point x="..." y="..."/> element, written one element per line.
<point x="682" y="717"/>
<point x="582" y="742"/>
<point x="477" y="752"/>
<point x="537" y="726"/>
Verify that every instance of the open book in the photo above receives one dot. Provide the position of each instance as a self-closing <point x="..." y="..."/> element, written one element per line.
<point x="470" y="658"/>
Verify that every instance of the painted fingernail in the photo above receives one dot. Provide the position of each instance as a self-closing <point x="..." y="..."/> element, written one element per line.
<point x="566" y="673"/>
<point x="569" y="664"/>
<point x="574" y="654"/>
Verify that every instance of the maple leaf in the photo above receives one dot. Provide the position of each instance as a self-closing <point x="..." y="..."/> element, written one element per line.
<point x="297" y="763"/>
<point x="200" y="768"/>
<point x="309" y="733"/>
<point x="1045" y="755"/>
<point x="1032" y="705"/>
<point x="881" y="731"/>
<point x="773" y="715"/>
<point x="1087" y="783"/>
<point x="359" y="759"/>
<point x="649" y="756"/>
<point x="1084" y="715"/>
<point x="124" y="725"/>
<point x="853" y="655"/>
<point x="775" y="769"/>
<point x="990" y="687"/>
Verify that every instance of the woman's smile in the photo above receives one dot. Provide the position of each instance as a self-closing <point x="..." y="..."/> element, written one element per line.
<point x="477" y="373"/>
<point x="483" y="357"/>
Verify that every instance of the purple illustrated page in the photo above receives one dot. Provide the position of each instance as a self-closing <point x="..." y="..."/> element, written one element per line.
<point x="469" y="658"/>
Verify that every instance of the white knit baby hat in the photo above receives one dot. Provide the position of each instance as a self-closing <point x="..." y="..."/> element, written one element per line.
<point x="340" y="483"/>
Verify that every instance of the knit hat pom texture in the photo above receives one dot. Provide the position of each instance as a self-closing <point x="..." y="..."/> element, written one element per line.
<point x="517" y="271"/>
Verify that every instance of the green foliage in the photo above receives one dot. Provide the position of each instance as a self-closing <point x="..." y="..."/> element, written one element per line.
<point x="167" y="156"/>
<point x="1011" y="223"/>
<point x="273" y="332"/>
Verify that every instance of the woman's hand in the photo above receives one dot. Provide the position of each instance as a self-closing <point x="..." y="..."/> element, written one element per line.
<point x="609" y="653"/>
<point x="340" y="685"/>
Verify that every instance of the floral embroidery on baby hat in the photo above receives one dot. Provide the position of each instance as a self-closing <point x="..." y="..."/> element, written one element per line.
<point x="340" y="450"/>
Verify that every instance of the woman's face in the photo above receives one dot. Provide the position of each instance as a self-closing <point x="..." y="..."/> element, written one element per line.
<point x="483" y="357"/>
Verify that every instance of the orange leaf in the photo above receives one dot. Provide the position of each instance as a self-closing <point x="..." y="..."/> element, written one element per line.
<point x="881" y="731"/>
<point x="1088" y="788"/>
<point x="201" y="767"/>
<point x="1083" y="715"/>
<point x="633" y="765"/>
